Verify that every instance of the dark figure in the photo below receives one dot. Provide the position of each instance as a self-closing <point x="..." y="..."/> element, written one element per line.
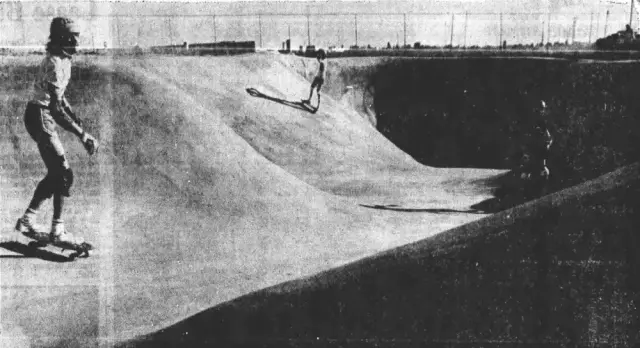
<point x="533" y="166"/>
<point x="318" y="81"/>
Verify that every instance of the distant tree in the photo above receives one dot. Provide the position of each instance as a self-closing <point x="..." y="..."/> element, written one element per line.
<point x="416" y="45"/>
<point x="388" y="45"/>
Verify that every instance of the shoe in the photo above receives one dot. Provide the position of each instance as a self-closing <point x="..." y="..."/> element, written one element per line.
<point x="58" y="234"/>
<point x="25" y="224"/>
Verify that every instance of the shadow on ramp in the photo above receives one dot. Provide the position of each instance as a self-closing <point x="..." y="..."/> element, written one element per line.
<point x="27" y="252"/>
<point x="511" y="191"/>
<point x="296" y="105"/>
<point x="557" y="272"/>
<point x="394" y="207"/>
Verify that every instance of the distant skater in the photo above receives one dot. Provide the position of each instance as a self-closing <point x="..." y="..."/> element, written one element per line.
<point x="47" y="108"/>
<point x="534" y="166"/>
<point x="318" y="81"/>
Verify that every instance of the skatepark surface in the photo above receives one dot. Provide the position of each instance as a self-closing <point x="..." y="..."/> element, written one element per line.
<point x="221" y="216"/>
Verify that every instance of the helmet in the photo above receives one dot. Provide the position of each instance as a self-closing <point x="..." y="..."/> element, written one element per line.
<point x="61" y="26"/>
<point x="63" y="36"/>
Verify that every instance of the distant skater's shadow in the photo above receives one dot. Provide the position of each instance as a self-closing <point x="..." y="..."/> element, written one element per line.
<point x="394" y="207"/>
<point x="297" y="105"/>
<point x="28" y="252"/>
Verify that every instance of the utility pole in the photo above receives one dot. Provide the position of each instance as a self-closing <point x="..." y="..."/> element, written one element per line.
<point x="542" y="40"/>
<point x="631" y="14"/>
<point x="308" y="31"/>
<point x="573" y="31"/>
<point x="451" y="39"/>
<point x="260" y="29"/>
<point x="606" y="23"/>
<point x="405" y="29"/>
<point x="500" y="43"/>
<point x="590" y="27"/>
<point x="118" y="30"/>
<point x="466" y="22"/>
<point x="355" y="17"/>
<point x="169" y="30"/>
<point x="598" y="21"/>
<point x="215" y="34"/>
<point x="549" y="28"/>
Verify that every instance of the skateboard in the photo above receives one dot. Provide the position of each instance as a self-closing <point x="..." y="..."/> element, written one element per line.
<point x="42" y="239"/>
<point x="311" y="108"/>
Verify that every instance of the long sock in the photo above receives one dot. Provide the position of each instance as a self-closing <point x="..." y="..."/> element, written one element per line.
<point x="55" y="226"/>
<point x="58" y="204"/>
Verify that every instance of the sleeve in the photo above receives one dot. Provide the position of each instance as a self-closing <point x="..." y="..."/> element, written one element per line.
<point x="60" y="114"/>
<point x="54" y="79"/>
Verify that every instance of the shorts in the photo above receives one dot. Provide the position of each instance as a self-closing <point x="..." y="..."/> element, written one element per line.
<point x="42" y="129"/>
<point x="317" y="82"/>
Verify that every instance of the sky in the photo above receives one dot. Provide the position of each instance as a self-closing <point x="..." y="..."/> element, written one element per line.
<point x="323" y="23"/>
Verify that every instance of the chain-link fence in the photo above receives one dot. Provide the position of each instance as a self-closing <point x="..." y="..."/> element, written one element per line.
<point x="26" y="24"/>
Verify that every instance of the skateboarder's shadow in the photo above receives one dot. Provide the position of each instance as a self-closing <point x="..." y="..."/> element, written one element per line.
<point x="28" y="252"/>
<point x="297" y="105"/>
<point x="419" y="210"/>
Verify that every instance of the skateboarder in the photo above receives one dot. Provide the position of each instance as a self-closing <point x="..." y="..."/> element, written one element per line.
<point x="47" y="108"/>
<point x="534" y="165"/>
<point x="320" y="76"/>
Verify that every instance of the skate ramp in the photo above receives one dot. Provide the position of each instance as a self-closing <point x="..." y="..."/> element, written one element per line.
<point x="202" y="193"/>
<point x="552" y="272"/>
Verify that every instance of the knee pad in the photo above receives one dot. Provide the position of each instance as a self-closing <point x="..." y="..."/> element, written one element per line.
<point x="61" y="181"/>
<point x="67" y="182"/>
<point x="46" y="187"/>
